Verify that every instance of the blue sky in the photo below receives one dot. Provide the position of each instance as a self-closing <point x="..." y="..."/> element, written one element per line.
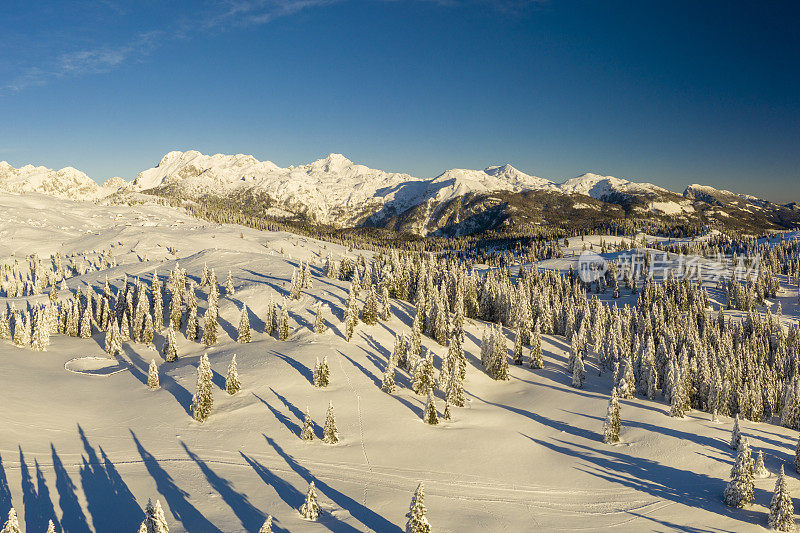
<point x="669" y="92"/>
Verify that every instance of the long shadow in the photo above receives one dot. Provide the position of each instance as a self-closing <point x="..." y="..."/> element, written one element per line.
<point x="363" y="370"/>
<point x="300" y="415"/>
<point x="177" y="498"/>
<point x="43" y="493"/>
<point x="292" y="426"/>
<point x="73" y="518"/>
<point x="300" y="320"/>
<point x="290" y="495"/>
<point x="543" y="420"/>
<point x="283" y="292"/>
<point x="38" y="507"/>
<point x="168" y="383"/>
<point x="366" y="516"/>
<point x="250" y="517"/>
<point x="297" y="365"/>
<point x="102" y="493"/>
<point x="5" y="492"/>
<point x="661" y="481"/>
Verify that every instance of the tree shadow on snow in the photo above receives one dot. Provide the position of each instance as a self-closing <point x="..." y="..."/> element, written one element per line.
<point x="299" y="414"/>
<point x="297" y="365"/>
<point x="5" y="492"/>
<point x="36" y="500"/>
<point x="363" y="514"/>
<point x="250" y="517"/>
<point x="176" y="498"/>
<point x="139" y="368"/>
<point x="286" y="492"/>
<point x="73" y="519"/>
<point x="104" y="489"/>
<point x="293" y="427"/>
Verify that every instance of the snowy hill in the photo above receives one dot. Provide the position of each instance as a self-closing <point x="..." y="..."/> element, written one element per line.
<point x="603" y="187"/>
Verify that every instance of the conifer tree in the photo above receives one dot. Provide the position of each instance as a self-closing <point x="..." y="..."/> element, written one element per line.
<point x="229" y="288"/>
<point x="578" y="373"/>
<point x="387" y="383"/>
<point x="760" y="471"/>
<point x="5" y="327"/>
<point x="158" y="303"/>
<point x="271" y="319"/>
<point x="677" y="399"/>
<point x="12" y="524"/>
<point x="518" y="346"/>
<point x="176" y="311"/>
<point x="350" y="321"/>
<point x="86" y="324"/>
<point x="797" y="456"/>
<point x="152" y="376"/>
<point x="170" y="349"/>
<point x="781" y="507"/>
<point x="424" y="378"/>
<point x="244" y="327"/>
<point x="386" y="308"/>
<point x="369" y="315"/>
<point x="232" y="383"/>
<point x="192" y="324"/>
<point x="147" y="329"/>
<point x="536" y="360"/>
<point x="155" y="519"/>
<point x="307" y="433"/>
<point x="736" y="434"/>
<point x="309" y="510"/>
<point x="429" y="416"/>
<point x="739" y="491"/>
<point x="283" y="328"/>
<point x="210" y="328"/>
<point x="203" y="400"/>
<point x="330" y="434"/>
<point x="612" y="425"/>
<point x="266" y="527"/>
<point x="319" y="321"/>
<point x="51" y="527"/>
<point x="417" y="521"/>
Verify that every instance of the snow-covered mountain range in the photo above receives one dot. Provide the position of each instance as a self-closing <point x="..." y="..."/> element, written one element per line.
<point x="339" y="192"/>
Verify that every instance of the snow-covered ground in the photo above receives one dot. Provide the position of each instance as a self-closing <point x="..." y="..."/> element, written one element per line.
<point x="88" y="444"/>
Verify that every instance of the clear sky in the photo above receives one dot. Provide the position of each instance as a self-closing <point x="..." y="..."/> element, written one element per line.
<point x="671" y="92"/>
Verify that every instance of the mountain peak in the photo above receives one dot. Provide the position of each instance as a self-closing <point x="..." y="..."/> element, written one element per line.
<point x="332" y="163"/>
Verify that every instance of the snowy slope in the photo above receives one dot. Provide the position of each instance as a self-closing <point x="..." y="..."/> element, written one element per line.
<point x="601" y="187"/>
<point x="89" y="450"/>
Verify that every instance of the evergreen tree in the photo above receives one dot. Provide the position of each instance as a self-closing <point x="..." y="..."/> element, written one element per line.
<point x="612" y="425"/>
<point x="192" y="324"/>
<point x="417" y="521"/>
<point x="155" y="519"/>
<point x="781" y="507"/>
<point x="387" y="383"/>
<point x="386" y="308"/>
<point x="319" y="321"/>
<point x="203" y="400"/>
<point x="739" y="491"/>
<point x="736" y="434"/>
<point x="51" y="527"/>
<point x="518" y="346"/>
<point x="536" y="360"/>
<point x="244" y="327"/>
<point x="310" y="509"/>
<point x="307" y="433"/>
<point x="283" y="328"/>
<point x="330" y="434"/>
<point x="266" y="527"/>
<point x="578" y="373"/>
<point x="170" y="349"/>
<point x="176" y="310"/>
<point x="152" y="376"/>
<point x="147" y="329"/>
<point x="12" y="524"/>
<point x="429" y="416"/>
<point x="760" y="470"/>
<point x="210" y="327"/>
<point x="369" y="315"/>
<point x="86" y="324"/>
<point x="797" y="456"/>
<point x="423" y="376"/>
<point x="232" y="383"/>
<point x="229" y="289"/>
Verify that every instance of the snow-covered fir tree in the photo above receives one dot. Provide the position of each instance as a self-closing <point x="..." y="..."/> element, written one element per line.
<point x="429" y="415"/>
<point x="203" y="400"/>
<point x="152" y="376"/>
<point x="319" y="320"/>
<point x="244" y="327"/>
<point x="232" y="383"/>
<point x="309" y="510"/>
<point x="266" y="527"/>
<point x="739" y="491"/>
<point x="170" y="348"/>
<point x="578" y="372"/>
<point x="155" y="519"/>
<point x="736" y="434"/>
<point x="417" y="521"/>
<point x="369" y="315"/>
<point x="307" y="433"/>
<point x="612" y="424"/>
<point x="760" y="470"/>
<point x="283" y="326"/>
<point x="387" y="382"/>
<point x="781" y="507"/>
<point x="385" y="306"/>
<point x="210" y="327"/>
<point x="12" y="523"/>
<point x="330" y="433"/>
<point x="229" y="288"/>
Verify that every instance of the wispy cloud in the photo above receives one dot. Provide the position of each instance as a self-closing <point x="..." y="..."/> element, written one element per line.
<point x="219" y="16"/>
